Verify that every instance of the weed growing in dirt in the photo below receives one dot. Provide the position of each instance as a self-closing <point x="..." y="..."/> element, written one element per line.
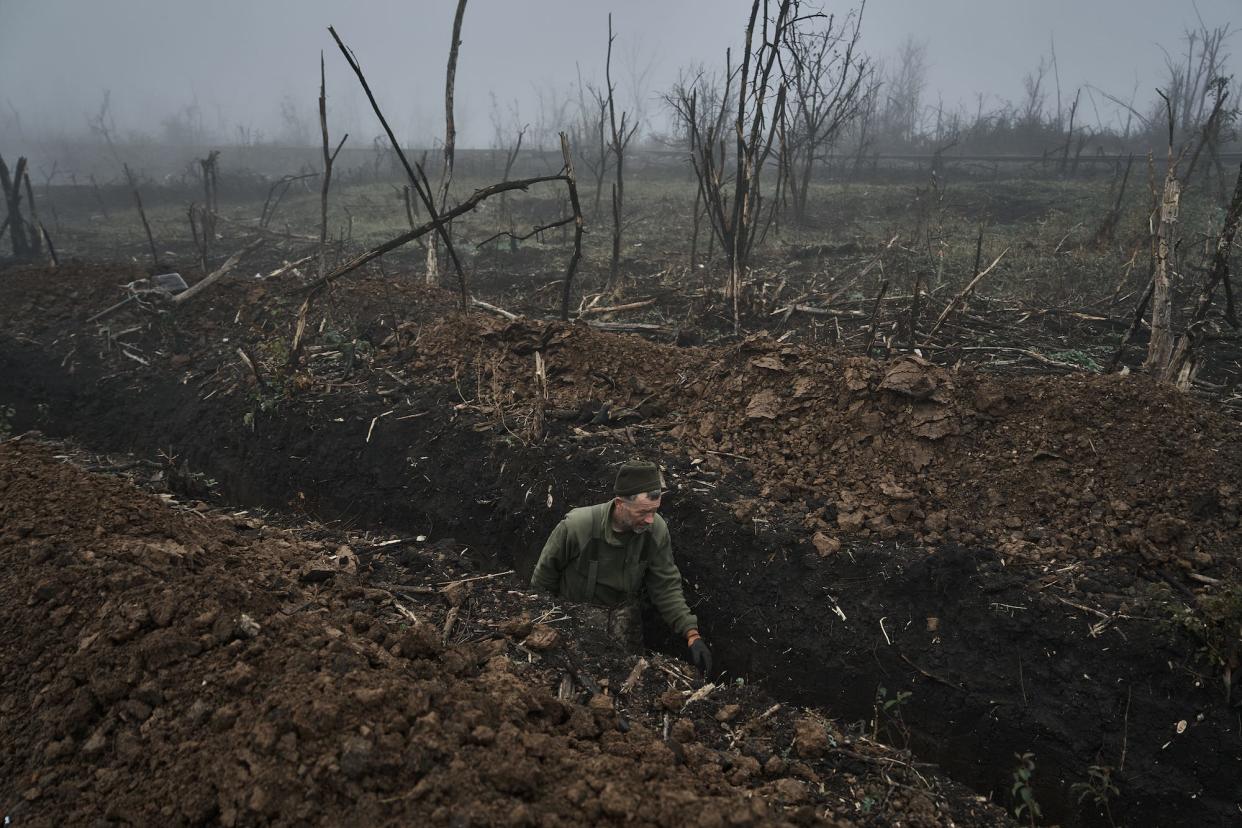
<point x="6" y="420"/>
<point x="1080" y="358"/>
<point x="1099" y="786"/>
<point x="1022" y="793"/>
<point x="888" y="714"/>
<point x="1216" y="624"/>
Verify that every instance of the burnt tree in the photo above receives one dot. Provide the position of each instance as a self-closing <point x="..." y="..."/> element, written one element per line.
<point x="621" y="133"/>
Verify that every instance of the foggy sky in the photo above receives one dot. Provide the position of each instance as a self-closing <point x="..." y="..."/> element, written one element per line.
<point x="239" y="58"/>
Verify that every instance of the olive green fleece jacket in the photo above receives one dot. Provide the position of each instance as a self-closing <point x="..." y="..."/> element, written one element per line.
<point x="628" y="564"/>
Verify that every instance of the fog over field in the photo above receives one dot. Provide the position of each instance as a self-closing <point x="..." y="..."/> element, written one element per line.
<point x="241" y="72"/>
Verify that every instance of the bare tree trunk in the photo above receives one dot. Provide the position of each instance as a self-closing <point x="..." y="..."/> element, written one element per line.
<point x="450" y="138"/>
<point x="572" y="180"/>
<point x="328" y="159"/>
<point x="621" y="135"/>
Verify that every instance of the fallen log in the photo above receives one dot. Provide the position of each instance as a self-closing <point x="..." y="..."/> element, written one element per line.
<point x="219" y="273"/>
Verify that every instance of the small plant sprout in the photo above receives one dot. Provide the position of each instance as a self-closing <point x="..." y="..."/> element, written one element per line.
<point x="1022" y="793"/>
<point x="1099" y="786"/>
<point x="888" y="710"/>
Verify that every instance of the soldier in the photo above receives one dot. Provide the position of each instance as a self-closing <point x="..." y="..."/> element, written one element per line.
<point x="607" y="555"/>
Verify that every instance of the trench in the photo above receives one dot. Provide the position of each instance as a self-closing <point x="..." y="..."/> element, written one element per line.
<point x="991" y="668"/>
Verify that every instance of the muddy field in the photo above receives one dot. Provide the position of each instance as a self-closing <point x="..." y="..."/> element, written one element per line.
<point x="240" y="588"/>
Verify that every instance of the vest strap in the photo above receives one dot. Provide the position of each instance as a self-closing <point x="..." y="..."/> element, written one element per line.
<point x="592" y="572"/>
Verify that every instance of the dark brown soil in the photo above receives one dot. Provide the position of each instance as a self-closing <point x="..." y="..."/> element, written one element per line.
<point x="1007" y="550"/>
<point x="165" y="664"/>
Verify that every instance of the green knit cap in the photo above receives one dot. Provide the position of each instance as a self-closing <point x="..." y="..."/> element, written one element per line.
<point x="638" y="477"/>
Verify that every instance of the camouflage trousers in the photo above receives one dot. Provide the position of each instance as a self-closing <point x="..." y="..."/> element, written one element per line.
<point x="623" y="625"/>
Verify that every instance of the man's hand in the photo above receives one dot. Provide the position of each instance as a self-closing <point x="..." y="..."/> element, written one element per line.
<point x="700" y="656"/>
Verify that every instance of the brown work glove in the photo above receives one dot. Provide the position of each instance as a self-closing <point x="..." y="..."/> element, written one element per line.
<point x="700" y="656"/>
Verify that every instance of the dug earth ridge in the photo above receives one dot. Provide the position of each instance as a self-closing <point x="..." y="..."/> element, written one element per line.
<point x="988" y="545"/>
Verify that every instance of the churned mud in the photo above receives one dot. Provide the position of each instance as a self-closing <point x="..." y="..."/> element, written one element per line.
<point x="926" y="571"/>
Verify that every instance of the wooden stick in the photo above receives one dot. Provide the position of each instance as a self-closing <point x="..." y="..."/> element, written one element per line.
<point x="290" y="266"/>
<point x="133" y="185"/>
<point x="534" y="232"/>
<point x="106" y="311"/>
<point x="51" y="248"/>
<point x="1035" y="355"/>
<point x="957" y="300"/>
<point x="477" y="578"/>
<point x="632" y="679"/>
<point x="811" y="311"/>
<point x="479" y="303"/>
<point x="645" y="303"/>
<point x="449" y="620"/>
<point x="219" y="273"/>
<point x="875" y="261"/>
<point x="875" y="310"/>
<point x="630" y="327"/>
<point x="1134" y="327"/>
<point x="479" y="196"/>
<point x="1082" y="607"/>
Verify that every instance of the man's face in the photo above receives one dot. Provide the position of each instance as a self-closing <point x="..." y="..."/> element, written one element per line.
<point x="636" y="516"/>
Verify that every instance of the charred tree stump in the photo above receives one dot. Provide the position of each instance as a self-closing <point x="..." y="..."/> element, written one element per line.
<point x="1161" y="345"/>
<point x="1188" y="353"/>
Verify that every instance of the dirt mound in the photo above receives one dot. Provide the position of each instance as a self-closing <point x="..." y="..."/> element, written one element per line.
<point x="163" y="667"/>
<point x="184" y="666"/>
<point x="1070" y="468"/>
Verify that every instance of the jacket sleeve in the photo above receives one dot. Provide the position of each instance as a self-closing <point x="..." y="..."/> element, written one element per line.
<point x="552" y="561"/>
<point x="663" y="583"/>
